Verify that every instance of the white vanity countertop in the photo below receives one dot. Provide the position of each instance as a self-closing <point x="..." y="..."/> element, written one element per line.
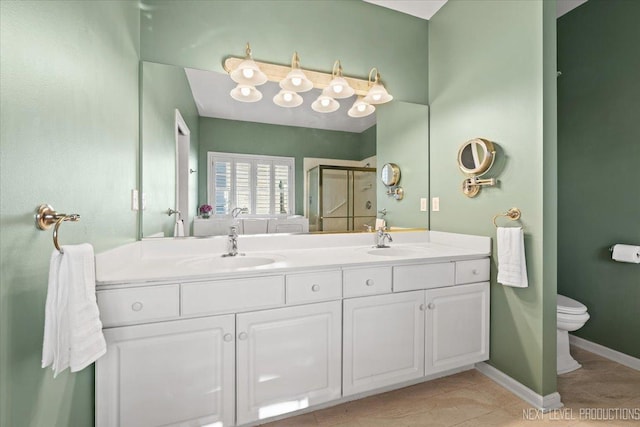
<point x="170" y="260"/>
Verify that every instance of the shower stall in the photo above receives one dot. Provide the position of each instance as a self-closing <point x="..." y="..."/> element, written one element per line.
<point x="341" y="198"/>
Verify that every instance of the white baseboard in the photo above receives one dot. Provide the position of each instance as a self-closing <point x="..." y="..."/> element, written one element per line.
<point x="543" y="403"/>
<point x="606" y="352"/>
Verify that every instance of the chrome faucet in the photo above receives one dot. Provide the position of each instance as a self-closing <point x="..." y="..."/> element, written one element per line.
<point x="237" y="211"/>
<point x="381" y="236"/>
<point x="232" y="243"/>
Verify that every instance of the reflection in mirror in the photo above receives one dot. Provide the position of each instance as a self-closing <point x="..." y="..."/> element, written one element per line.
<point x="219" y="124"/>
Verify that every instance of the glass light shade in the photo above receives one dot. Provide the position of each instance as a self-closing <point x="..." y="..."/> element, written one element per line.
<point x="377" y="95"/>
<point x="287" y="98"/>
<point x="246" y="93"/>
<point x="296" y="81"/>
<point x="360" y="108"/>
<point x="325" y="104"/>
<point x="248" y="73"/>
<point x="339" y="88"/>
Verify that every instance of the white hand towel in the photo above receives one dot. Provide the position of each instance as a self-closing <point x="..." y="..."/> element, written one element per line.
<point x="512" y="263"/>
<point x="73" y="331"/>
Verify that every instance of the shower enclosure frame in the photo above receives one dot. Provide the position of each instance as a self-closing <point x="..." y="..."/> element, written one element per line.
<point x="350" y="217"/>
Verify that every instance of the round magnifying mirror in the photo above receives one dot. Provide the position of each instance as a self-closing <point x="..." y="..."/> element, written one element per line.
<point x="476" y="156"/>
<point x="390" y="174"/>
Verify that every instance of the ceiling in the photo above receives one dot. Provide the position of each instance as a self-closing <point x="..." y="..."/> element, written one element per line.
<point x="425" y="9"/>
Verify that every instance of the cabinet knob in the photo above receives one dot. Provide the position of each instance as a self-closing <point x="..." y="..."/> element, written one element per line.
<point x="431" y="306"/>
<point x="136" y="306"/>
<point x="422" y="307"/>
<point x="243" y="336"/>
<point x="227" y="337"/>
<point x="369" y="282"/>
<point x="474" y="272"/>
<point x="315" y="288"/>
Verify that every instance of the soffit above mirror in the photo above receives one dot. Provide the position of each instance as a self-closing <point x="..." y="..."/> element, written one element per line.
<point x="211" y="95"/>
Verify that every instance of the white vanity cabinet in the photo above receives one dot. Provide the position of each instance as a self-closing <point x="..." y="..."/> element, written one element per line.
<point x="243" y="347"/>
<point x="287" y="359"/>
<point x="171" y="374"/>
<point x="383" y="340"/>
<point x="457" y="326"/>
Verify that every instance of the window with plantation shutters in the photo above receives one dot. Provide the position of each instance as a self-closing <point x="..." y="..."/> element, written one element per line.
<point x="262" y="184"/>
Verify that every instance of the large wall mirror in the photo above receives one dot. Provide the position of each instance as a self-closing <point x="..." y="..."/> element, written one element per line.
<point x="187" y="114"/>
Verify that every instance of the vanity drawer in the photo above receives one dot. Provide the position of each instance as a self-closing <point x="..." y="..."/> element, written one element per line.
<point x="366" y="281"/>
<point x="138" y="305"/>
<point x="312" y="287"/>
<point x="476" y="270"/>
<point x="423" y="276"/>
<point x="233" y="295"/>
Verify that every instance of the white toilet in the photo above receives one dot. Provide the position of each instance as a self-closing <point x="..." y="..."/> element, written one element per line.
<point x="572" y="315"/>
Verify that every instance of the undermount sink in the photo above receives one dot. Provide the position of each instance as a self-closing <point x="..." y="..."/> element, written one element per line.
<point x="394" y="251"/>
<point x="238" y="261"/>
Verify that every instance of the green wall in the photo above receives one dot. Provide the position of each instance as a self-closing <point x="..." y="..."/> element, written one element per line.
<point x="494" y="81"/>
<point x="69" y="137"/>
<point x="232" y="136"/>
<point x="403" y="132"/>
<point x="163" y="89"/>
<point x="599" y="158"/>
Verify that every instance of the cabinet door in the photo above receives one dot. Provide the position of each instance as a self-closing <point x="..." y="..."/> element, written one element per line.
<point x="457" y="326"/>
<point x="383" y="340"/>
<point x="288" y="359"/>
<point x="171" y="374"/>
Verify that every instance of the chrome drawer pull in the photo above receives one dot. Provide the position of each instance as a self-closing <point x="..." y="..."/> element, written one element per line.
<point x="369" y="282"/>
<point x="315" y="288"/>
<point x="136" y="306"/>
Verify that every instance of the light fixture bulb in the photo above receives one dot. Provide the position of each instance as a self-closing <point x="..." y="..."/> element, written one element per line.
<point x="245" y="93"/>
<point x="376" y="97"/>
<point x="296" y="80"/>
<point x="247" y="73"/>
<point x="361" y="108"/>
<point x="325" y="103"/>
<point x="287" y="99"/>
<point x="338" y="88"/>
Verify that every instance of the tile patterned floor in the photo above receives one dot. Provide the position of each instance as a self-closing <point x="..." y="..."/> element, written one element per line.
<point x="469" y="399"/>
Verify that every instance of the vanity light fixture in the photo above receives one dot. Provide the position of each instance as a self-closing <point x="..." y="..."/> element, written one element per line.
<point x="360" y="108"/>
<point x="377" y="93"/>
<point x="338" y="86"/>
<point x="287" y="98"/>
<point x="325" y="103"/>
<point x="296" y="80"/>
<point x="249" y="73"/>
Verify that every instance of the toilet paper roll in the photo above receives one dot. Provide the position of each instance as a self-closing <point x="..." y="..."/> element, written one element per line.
<point x="626" y="253"/>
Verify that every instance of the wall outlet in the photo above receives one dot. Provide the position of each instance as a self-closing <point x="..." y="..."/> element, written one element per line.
<point x="435" y="204"/>
<point x="134" y="200"/>
<point x="423" y="204"/>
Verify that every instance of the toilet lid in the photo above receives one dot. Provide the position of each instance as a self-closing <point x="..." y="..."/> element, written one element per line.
<point x="570" y="306"/>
